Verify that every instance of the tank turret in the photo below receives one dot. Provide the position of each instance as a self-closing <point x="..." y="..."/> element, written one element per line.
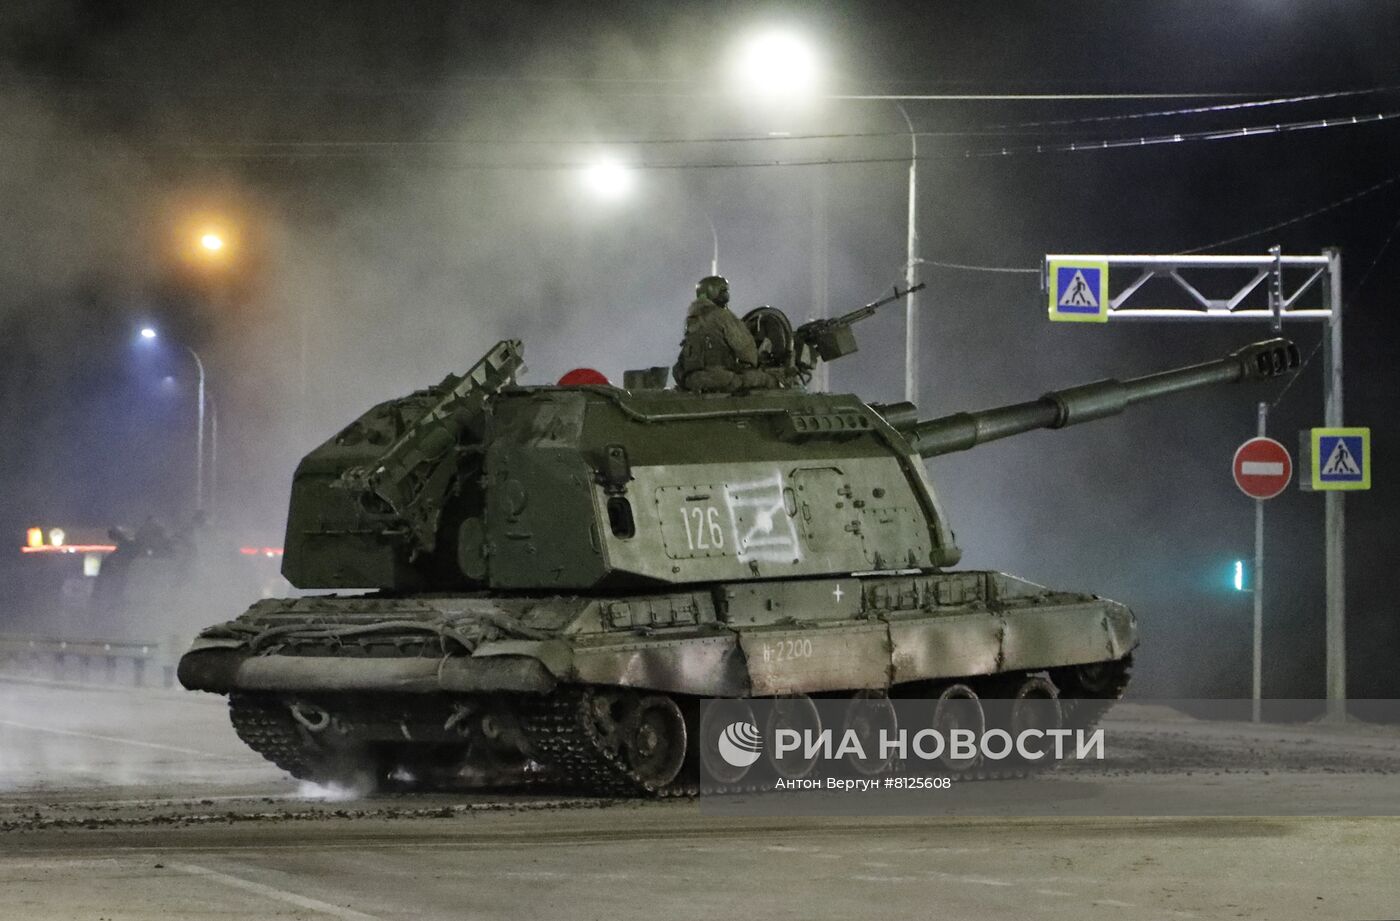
<point x="589" y="488"/>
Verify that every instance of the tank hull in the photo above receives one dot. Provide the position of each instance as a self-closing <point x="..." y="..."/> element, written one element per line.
<point x="491" y="689"/>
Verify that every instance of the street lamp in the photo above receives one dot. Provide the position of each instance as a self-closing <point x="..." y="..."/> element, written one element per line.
<point x="608" y="179"/>
<point x="611" y="180"/>
<point x="211" y="242"/>
<point x="149" y="334"/>
<point x="778" y="65"/>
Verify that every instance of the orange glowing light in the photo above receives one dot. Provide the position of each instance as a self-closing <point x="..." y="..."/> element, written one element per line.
<point x="260" y="551"/>
<point x="34" y="537"/>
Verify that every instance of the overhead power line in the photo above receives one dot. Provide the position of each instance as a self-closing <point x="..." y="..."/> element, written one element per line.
<point x="681" y="88"/>
<point x="1076" y="146"/>
<point x="992" y="269"/>
<point x="1031" y="97"/>
<point x="1296" y="219"/>
<point x="787" y="137"/>
<point x="1204" y="110"/>
<point x="1179" y="137"/>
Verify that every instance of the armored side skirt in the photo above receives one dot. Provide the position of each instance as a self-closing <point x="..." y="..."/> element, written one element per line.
<point x="800" y="636"/>
<point x="223" y="670"/>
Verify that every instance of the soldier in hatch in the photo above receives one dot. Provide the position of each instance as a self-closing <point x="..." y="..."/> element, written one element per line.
<point x="718" y="353"/>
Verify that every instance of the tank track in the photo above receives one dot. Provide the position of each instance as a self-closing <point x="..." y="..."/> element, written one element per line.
<point x="561" y="734"/>
<point x="271" y="732"/>
<point x="1084" y="711"/>
<point x="1081" y="713"/>
<point x="578" y="759"/>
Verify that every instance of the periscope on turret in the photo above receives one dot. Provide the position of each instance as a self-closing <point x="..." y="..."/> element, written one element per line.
<point x="551" y="578"/>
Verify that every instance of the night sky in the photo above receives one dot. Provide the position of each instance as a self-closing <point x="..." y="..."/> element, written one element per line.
<point x="399" y="186"/>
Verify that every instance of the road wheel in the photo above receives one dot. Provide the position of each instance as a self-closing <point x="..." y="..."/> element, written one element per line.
<point x="799" y="713"/>
<point x="654" y="740"/>
<point x="730" y="743"/>
<point x="1034" y="705"/>
<point x="957" y="707"/>
<point x="868" y="715"/>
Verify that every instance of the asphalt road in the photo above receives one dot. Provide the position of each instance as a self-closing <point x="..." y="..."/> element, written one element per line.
<point x="142" y="804"/>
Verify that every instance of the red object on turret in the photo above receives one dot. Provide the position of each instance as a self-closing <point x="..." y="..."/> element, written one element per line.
<point x="580" y="377"/>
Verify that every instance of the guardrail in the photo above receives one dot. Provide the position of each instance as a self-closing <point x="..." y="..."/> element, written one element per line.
<point x="69" y="659"/>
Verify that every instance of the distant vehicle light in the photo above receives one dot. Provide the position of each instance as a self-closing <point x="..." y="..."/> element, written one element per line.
<point x="260" y="551"/>
<point x="582" y="377"/>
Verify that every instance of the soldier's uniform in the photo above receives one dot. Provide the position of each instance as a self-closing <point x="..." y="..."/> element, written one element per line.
<point x="718" y="353"/>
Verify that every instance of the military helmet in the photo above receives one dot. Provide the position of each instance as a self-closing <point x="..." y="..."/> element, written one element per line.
<point x="713" y="288"/>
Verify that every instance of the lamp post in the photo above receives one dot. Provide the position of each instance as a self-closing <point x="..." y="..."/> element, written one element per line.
<point x="149" y="334"/>
<point x="778" y="66"/>
<point x="611" y="180"/>
<point x="911" y="261"/>
<point x="714" y="236"/>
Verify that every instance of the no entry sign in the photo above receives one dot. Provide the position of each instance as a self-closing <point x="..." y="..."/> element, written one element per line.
<point x="1262" y="468"/>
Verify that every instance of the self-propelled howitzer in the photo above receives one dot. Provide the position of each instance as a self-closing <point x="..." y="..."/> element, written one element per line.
<point x="557" y="575"/>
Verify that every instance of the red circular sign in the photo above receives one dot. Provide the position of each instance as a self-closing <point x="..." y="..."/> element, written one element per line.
<point x="1262" y="468"/>
<point x="583" y="377"/>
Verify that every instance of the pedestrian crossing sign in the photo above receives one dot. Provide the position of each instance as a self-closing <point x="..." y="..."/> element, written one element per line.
<point x="1078" y="290"/>
<point x="1341" y="458"/>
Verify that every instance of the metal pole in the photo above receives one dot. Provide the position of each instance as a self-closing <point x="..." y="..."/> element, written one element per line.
<point x="213" y="457"/>
<point x="199" y="436"/>
<point x="1335" y="513"/>
<point x="911" y="332"/>
<point x="821" y="272"/>
<point x="304" y="322"/>
<point x="1258" y="586"/>
<point x="714" y="236"/>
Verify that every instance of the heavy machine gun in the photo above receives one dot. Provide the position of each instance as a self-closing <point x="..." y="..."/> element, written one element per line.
<point x="823" y="339"/>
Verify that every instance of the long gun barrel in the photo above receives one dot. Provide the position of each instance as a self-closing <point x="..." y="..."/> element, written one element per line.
<point x="860" y="313"/>
<point x="1060" y="408"/>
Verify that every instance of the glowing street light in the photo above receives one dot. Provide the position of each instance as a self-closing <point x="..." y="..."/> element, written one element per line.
<point x="777" y="64"/>
<point x="608" y="179"/>
<point x="781" y="66"/>
<point x="211" y="242"/>
<point x="149" y="334"/>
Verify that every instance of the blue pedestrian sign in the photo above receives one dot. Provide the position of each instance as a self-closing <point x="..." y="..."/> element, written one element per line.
<point x="1078" y="290"/>
<point x="1341" y="458"/>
